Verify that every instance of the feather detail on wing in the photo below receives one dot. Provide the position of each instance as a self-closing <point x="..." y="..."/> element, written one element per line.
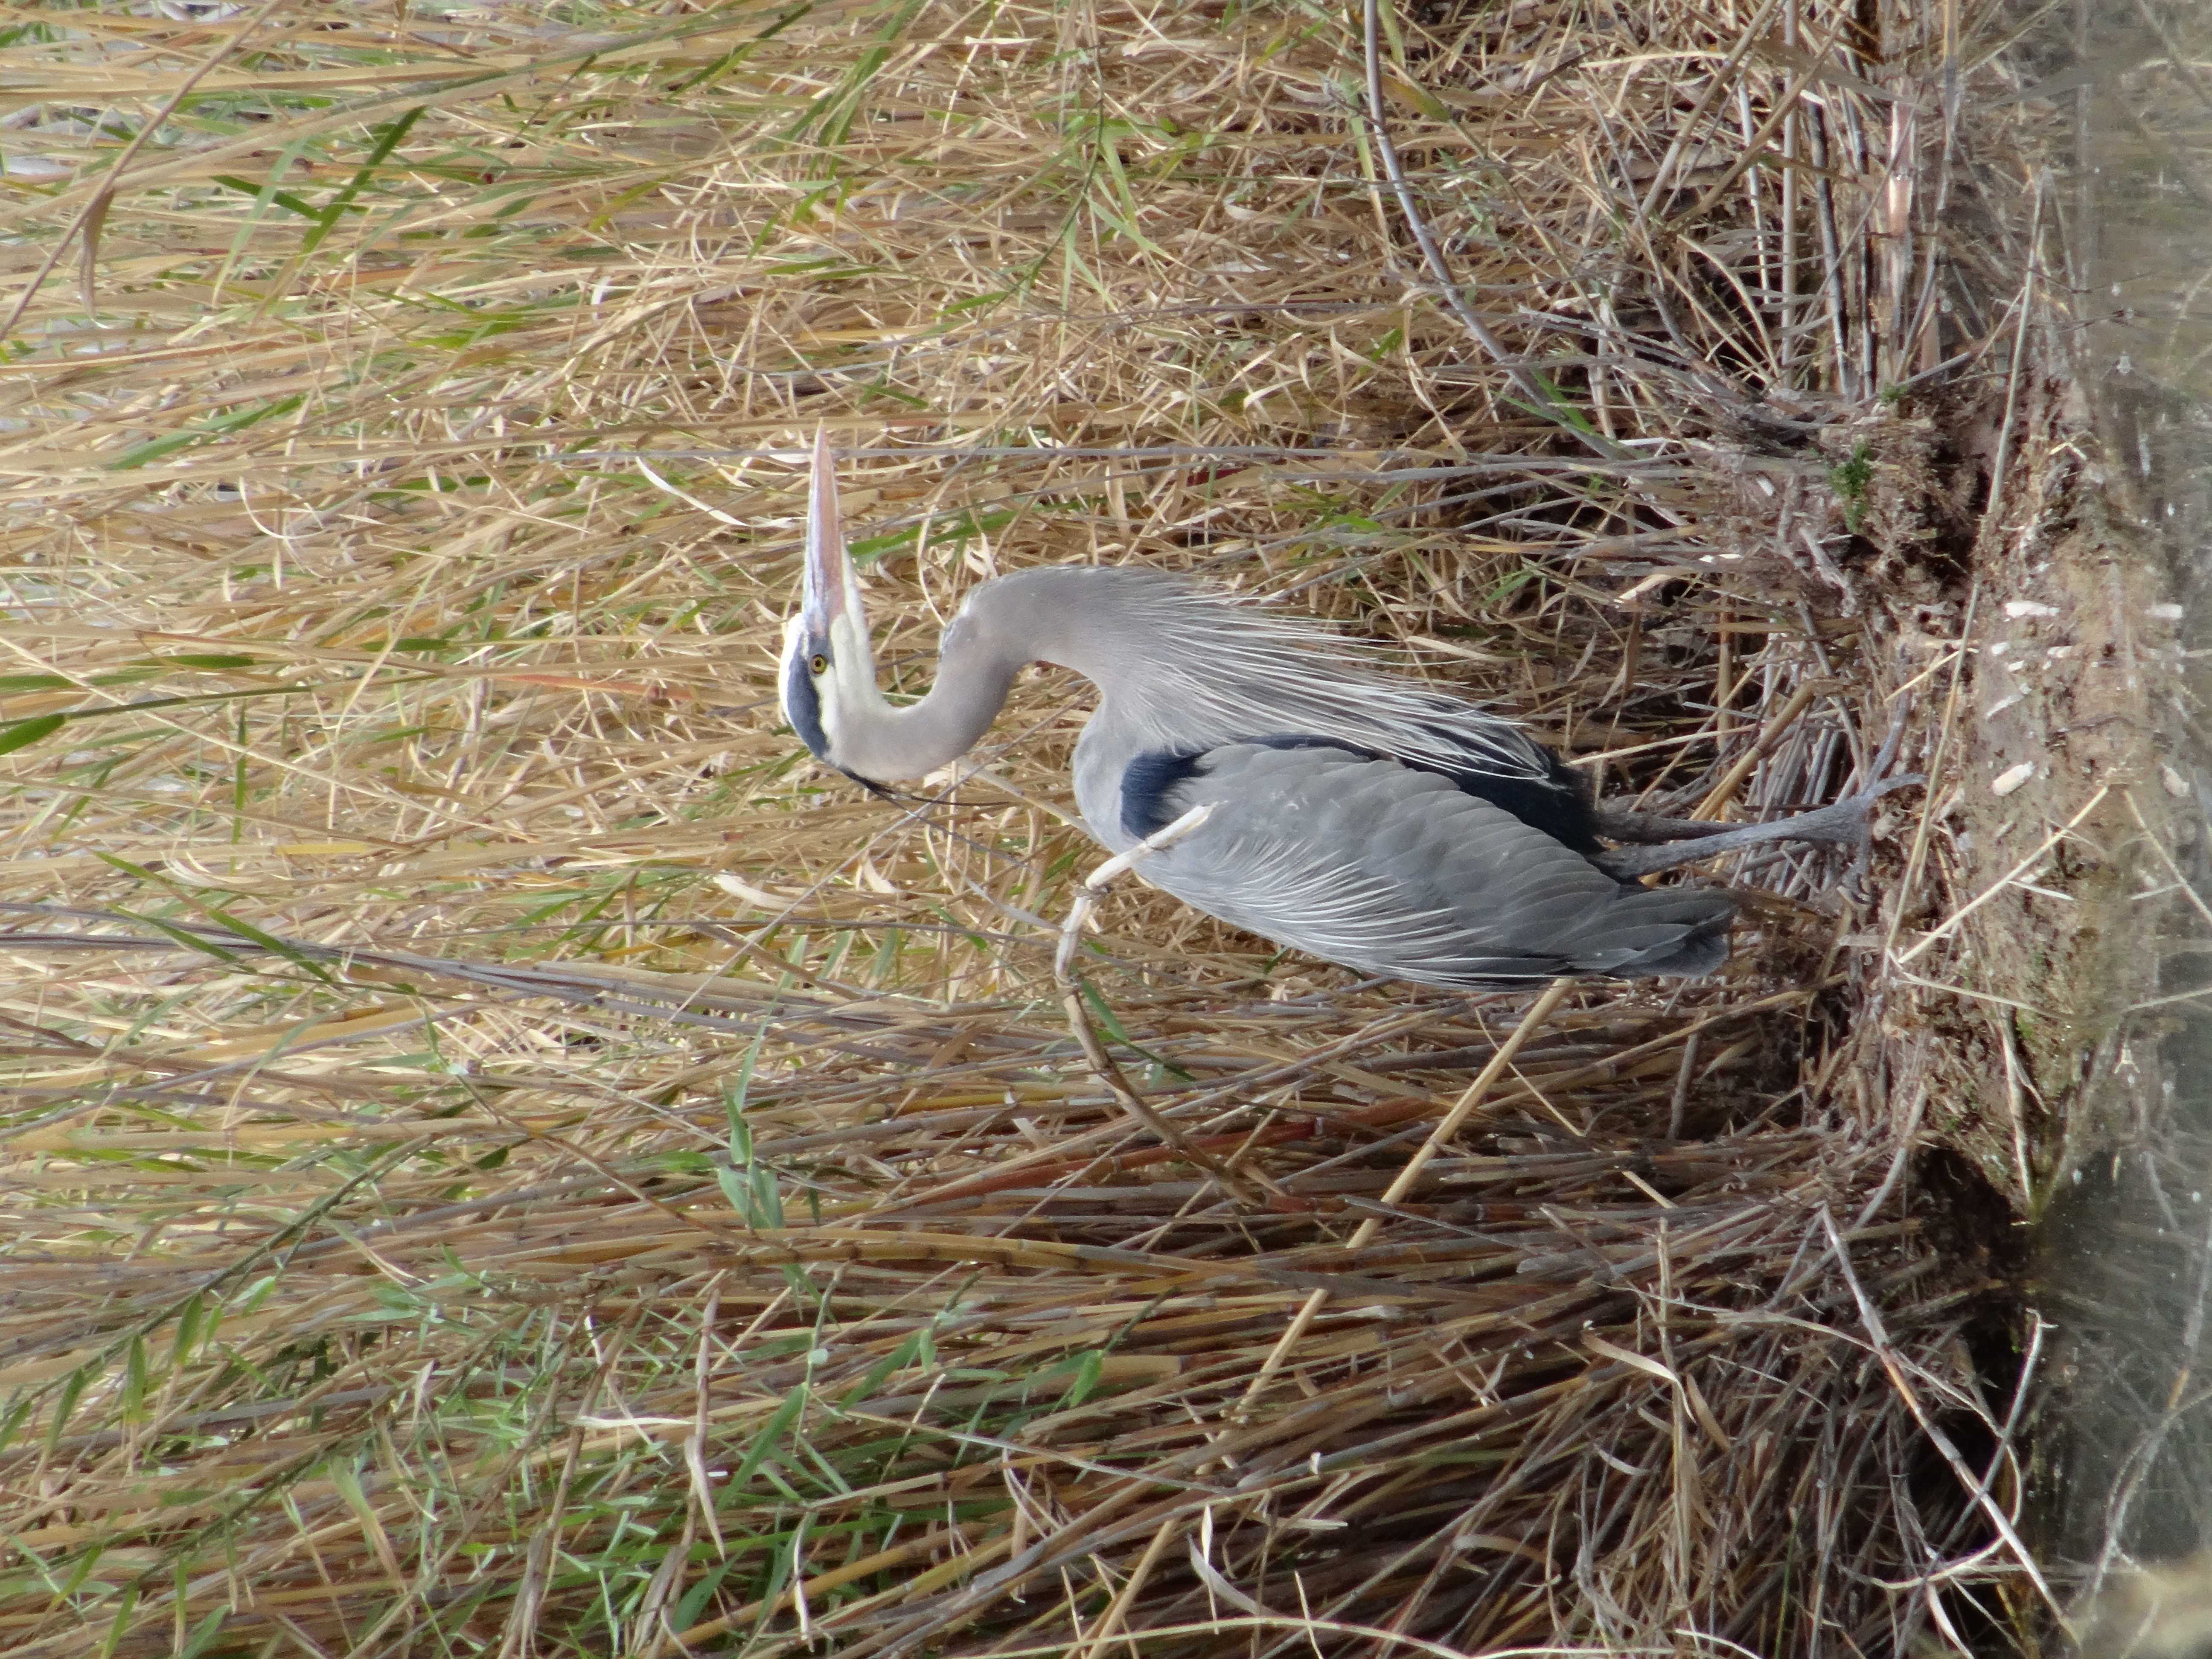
<point x="1394" y="870"/>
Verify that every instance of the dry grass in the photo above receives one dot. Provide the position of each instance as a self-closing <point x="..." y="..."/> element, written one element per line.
<point x="506" y="1158"/>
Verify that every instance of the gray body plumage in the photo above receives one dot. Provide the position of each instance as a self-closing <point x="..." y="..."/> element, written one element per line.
<point x="1349" y="817"/>
<point x="1332" y="831"/>
<point x="1391" y="870"/>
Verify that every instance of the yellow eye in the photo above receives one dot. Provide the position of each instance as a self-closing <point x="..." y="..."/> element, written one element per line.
<point x="818" y="663"/>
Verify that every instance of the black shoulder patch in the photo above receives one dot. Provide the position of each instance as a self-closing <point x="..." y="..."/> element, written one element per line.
<point x="802" y="706"/>
<point x="1559" y="805"/>
<point x="1144" y="785"/>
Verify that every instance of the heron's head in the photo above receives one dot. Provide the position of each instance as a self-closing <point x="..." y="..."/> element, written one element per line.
<point x="829" y="673"/>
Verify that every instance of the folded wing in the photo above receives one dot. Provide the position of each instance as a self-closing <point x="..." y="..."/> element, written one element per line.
<point x="1381" y="867"/>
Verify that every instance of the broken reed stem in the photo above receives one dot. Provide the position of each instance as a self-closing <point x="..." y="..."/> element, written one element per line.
<point x="1072" y="990"/>
<point x="1719" y="795"/>
<point x="1447" y="1127"/>
<point x="1950" y="924"/>
<point x="1117" y="1611"/>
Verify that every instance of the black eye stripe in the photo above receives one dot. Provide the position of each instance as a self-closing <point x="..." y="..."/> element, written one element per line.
<point x="802" y="706"/>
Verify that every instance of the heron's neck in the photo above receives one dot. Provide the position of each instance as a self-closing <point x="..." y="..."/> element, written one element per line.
<point x="1040" y="616"/>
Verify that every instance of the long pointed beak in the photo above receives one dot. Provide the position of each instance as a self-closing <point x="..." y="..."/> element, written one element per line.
<point x="829" y="585"/>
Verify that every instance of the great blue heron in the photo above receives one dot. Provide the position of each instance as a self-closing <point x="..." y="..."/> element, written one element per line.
<point x="1359" y="817"/>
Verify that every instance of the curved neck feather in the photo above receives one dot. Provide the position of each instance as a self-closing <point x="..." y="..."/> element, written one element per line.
<point x="1039" y="616"/>
<point x="887" y="741"/>
<point x="1177" y="669"/>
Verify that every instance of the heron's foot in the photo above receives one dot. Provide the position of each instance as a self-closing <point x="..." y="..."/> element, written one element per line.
<point x="1850" y="822"/>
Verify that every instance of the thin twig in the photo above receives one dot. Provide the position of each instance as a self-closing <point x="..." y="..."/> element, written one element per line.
<point x="1755" y="146"/>
<point x="1992" y="512"/>
<point x="1072" y="990"/>
<point x="1685" y="132"/>
<point x="1916" y="860"/>
<point x="1432" y="254"/>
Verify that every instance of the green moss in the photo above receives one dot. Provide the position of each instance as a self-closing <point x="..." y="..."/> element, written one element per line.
<point x="1850" y="479"/>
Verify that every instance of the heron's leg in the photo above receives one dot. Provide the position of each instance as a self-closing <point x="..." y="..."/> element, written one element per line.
<point x="1653" y="828"/>
<point x="1846" y="824"/>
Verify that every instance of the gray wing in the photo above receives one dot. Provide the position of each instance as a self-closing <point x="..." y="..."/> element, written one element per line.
<point x="1378" y="866"/>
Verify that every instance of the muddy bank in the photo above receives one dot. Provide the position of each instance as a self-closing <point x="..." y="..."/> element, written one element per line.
<point x="2036" y="537"/>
